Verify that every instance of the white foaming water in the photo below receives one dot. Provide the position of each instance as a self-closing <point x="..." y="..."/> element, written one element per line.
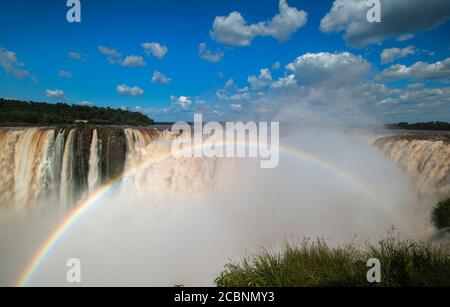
<point x="426" y="161"/>
<point x="94" y="163"/>
<point x="66" y="194"/>
<point x="178" y="220"/>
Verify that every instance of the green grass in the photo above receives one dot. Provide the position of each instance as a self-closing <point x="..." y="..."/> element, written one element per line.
<point x="315" y="264"/>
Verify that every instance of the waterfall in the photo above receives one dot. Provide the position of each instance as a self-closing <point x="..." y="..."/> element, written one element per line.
<point x="61" y="166"/>
<point x="66" y="194"/>
<point x="58" y="156"/>
<point x="425" y="160"/>
<point x="8" y="141"/>
<point x="40" y="166"/>
<point x="94" y="163"/>
<point x="154" y="171"/>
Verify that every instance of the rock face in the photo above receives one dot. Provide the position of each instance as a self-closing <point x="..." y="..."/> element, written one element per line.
<point x="426" y="158"/>
<point x="61" y="165"/>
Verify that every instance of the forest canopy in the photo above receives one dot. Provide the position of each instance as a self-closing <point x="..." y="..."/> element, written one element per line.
<point x="23" y="113"/>
<point x="443" y="126"/>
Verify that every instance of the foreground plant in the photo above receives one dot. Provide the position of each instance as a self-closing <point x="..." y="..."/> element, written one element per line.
<point x="316" y="264"/>
<point x="441" y="215"/>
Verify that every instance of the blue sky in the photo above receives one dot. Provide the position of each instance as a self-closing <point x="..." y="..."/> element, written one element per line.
<point x="303" y="56"/>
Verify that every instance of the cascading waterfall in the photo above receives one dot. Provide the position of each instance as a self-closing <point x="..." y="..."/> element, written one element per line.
<point x="66" y="193"/>
<point x="158" y="172"/>
<point x="427" y="160"/>
<point x="61" y="166"/>
<point x="8" y="141"/>
<point x="94" y="163"/>
<point x="31" y="165"/>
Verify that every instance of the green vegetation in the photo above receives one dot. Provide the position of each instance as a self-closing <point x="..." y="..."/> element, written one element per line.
<point x="316" y="264"/>
<point x="441" y="215"/>
<point x="20" y="113"/>
<point x="436" y="126"/>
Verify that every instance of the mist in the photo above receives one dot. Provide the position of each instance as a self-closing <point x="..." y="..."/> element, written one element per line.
<point x="178" y="221"/>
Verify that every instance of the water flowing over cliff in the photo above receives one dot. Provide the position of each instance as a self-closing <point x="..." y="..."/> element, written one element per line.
<point x="167" y="209"/>
<point x="424" y="158"/>
<point x="61" y="166"/>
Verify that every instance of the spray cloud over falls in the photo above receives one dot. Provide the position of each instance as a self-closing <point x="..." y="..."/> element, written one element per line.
<point x="178" y="220"/>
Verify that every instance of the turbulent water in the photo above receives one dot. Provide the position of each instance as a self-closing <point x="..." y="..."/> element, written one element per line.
<point x="426" y="159"/>
<point x="63" y="165"/>
<point x="66" y="164"/>
<point x="178" y="220"/>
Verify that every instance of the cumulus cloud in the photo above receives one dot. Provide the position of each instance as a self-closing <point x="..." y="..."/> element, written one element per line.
<point x="276" y="66"/>
<point x="233" y="29"/>
<point x="55" y="94"/>
<point x="418" y="71"/>
<point x="77" y="56"/>
<point x="391" y="54"/>
<point x="284" y="83"/>
<point x="160" y="78"/>
<point x="399" y="17"/>
<point x="405" y="37"/>
<point x="237" y="108"/>
<point x="238" y="94"/>
<point x="114" y="57"/>
<point x="262" y="81"/>
<point x="229" y="84"/>
<point x="10" y="63"/>
<point x="317" y="69"/>
<point x="181" y="101"/>
<point x="133" y="61"/>
<point x="64" y="74"/>
<point x="125" y="90"/>
<point x="209" y="55"/>
<point x="155" y="49"/>
<point x="86" y="103"/>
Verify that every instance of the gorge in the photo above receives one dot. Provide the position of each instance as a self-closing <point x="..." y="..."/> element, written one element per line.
<point x="164" y="210"/>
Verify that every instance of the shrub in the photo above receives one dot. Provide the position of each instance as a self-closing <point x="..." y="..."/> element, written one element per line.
<point x="441" y="215"/>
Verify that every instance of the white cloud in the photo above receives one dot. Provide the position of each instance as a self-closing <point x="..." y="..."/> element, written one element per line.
<point x="10" y="63"/>
<point x="229" y="84"/>
<point x="419" y="71"/>
<point x="237" y="108"/>
<point x="86" y="103"/>
<point x="392" y="54"/>
<point x="276" y="66"/>
<point x="155" y="49"/>
<point x="262" y="81"/>
<point x="114" y="57"/>
<point x="133" y="61"/>
<point x="399" y="17"/>
<point x="209" y="55"/>
<point x="405" y="37"/>
<point x="330" y="69"/>
<point x="160" y="78"/>
<point x="181" y="101"/>
<point x="77" y="56"/>
<point x="56" y="94"/>
<point x="125" y="90"/>
<point x="64" y="74"/>
<point x="233" y="30"/>
<point x="240" y="94"/>
<point x="283" y="83"/>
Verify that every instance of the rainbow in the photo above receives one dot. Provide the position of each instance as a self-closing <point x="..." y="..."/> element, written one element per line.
<point x="94" y="198"/>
